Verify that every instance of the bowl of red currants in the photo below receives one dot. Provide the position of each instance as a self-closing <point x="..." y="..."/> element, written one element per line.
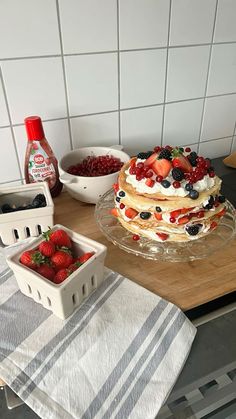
<point x="88" y="172"/>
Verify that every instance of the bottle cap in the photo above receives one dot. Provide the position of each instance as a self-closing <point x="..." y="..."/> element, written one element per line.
<point x="34" y="128"/>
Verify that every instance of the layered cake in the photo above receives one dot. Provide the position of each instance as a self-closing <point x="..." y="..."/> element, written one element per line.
<point x="169" y="194"/>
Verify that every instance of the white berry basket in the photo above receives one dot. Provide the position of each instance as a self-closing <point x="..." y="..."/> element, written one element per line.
<point x="62" y="299"/>
<point x="18" y="225"/>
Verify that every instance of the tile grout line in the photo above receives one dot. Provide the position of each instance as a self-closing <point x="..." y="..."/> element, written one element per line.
<point x="118" y="69"/>
<point x="207" y="78"/>
<point x="10" y="120"/>
<point x="31" y="57"/>
<point x="124" y="109"/>
<point x="232" y="143"/>
<point x="166" y="71"/>
<point x="11" y="181"/>
<point x="64" y="74"/>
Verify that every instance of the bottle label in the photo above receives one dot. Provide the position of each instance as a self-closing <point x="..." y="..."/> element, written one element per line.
<point x="41" y="167"/>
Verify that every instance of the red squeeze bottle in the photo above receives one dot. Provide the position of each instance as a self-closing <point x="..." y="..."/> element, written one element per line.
<point x="40" y="162"/>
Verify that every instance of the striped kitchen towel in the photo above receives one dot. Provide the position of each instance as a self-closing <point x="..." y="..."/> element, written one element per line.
<point x="117" y="356"/>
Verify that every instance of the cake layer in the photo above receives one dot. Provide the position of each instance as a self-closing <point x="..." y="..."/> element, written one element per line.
<point x="169" y="195"/>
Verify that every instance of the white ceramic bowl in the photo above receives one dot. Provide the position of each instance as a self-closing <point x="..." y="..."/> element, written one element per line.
<point x="84" y="188"/>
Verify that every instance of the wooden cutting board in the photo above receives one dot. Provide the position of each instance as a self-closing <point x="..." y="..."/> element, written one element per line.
<point x="187" y="285"/>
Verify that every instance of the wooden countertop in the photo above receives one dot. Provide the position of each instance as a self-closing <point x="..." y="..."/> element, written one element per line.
<point x="188" y="284"/>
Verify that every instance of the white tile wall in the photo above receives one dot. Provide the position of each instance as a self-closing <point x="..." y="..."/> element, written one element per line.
<point x="143" y="23"/>
<point x="142" y="77"/>
<point x="95" y="130"/>
<point x="136" y="72"/>
<point x="182" y="122"/>
<point x="187" y="72"/>
<point x="88" y="26"/>
<point x="4" y="119"/>
<point x="219" y="117"/>
<point x="34" y="87"/>
<point x="92" y="83"/>
<point x="222" y="77"/>
<point x="28" y="28"/>
<point x="216" y="148"/>
<point x="141" y="128"/>
<point x="225" y="30"/>
<point x="9" y="169"/>
<point x="192" y="21"/>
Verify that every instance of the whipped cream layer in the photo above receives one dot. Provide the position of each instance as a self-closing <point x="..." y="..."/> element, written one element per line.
<point x="140" y="186"/>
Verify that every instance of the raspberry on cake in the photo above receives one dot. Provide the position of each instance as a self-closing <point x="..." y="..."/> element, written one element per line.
<point x="170" y="194"/>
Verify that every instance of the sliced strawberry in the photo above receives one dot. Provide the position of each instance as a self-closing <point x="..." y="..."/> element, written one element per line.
<point x="182" y="163"/>
<point x="213" y="225"/>
<point x="151" y="159"/>
<point x="162" y="236"/>
<point x="131" y="213"/>
<point x="114" y="211"/>
<point x="158" y="215"/>
<point x="221" y="213"/>
<point x="186" y="210"/>
<point x="161" y="167"/>
<point x="115" y="187"/>
<point x="149" y="182"/>
<point x="183" y="220"/>
<point x="175" y="213"/>
<point x="133" y="162"/>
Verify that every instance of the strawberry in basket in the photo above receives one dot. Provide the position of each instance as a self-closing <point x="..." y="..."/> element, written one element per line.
<point x="54" y="258"/>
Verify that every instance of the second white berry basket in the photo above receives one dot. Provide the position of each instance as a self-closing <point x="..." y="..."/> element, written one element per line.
<point x="62" y="299"/>
<point x="17" y="226"/>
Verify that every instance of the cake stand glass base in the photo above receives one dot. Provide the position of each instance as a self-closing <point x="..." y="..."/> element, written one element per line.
<point x="165" y="251"/>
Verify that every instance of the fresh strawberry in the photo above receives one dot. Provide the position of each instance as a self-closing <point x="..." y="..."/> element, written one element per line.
<point x="175" y="213"/>
<point x="58" y="237"/>
<point x="183" y="220"/>
<point x="61" y="259"/>
<point x="162" y="167"/>
<point x="149" y="182"/>
<point x="61" y="275"/>
<point x="114" y="211"/>
<point x="131" y="213"/>
<point x="83" y="258"/>
<point x="151" y="159"/>
<point x="162" y="236"/>
<point x="182" y="163"/>
<point x="158" y="215"/>
<point x="46" y="271"/>
<point x="31" y="258"/>
<point x="115" y="187"/>
<point x="47" y="248"/>
<point x="74" y="266"/>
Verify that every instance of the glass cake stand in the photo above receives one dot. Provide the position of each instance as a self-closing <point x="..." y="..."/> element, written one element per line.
<point x="165" y="251"/>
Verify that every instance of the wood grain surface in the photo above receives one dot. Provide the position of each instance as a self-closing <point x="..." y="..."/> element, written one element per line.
<point x="188" y="284"/>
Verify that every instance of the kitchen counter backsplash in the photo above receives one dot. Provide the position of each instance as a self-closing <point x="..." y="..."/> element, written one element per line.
<point x="136" y="72"/>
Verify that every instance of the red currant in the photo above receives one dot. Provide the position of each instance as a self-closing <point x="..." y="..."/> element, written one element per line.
<point x="159" y="178"/>
<point x="187" y="149"/>
<point x="176" y="184"/>
<point x="122" y="205"/>
<point x="172" y="219"/>
<point x="136" y="237"/>
<point x="211" y="174"/>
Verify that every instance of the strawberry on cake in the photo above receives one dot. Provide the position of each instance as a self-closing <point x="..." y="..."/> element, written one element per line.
<point x="168" y="194"/>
